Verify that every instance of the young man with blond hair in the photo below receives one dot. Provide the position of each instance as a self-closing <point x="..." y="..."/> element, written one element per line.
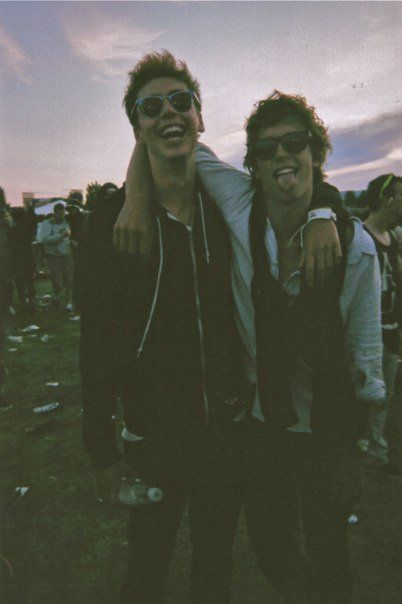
<point x="161" y="335"/>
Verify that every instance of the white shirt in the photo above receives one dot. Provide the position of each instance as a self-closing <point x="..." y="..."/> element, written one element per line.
<point x="360" y="300"/>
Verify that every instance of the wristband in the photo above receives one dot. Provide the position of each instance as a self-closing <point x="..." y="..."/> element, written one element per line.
<point x="321" y="214"/>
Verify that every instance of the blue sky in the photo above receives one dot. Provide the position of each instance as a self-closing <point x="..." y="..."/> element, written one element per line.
<point x="64" y="65"/>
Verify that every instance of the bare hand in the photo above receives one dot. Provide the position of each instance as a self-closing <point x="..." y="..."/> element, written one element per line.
<point x="108" y="482"/>
<point x="321" y="251"/>
<point x="133" y="232"/>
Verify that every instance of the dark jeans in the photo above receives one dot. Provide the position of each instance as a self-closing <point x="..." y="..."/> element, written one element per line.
<point x="194" y="471"/>
<point x="297" y="529"/>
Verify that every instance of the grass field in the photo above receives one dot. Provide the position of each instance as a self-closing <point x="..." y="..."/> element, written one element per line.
<point x="64" y="547"/>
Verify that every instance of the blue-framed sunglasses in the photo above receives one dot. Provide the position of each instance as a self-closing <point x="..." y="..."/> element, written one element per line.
<point x="181" y="100"/>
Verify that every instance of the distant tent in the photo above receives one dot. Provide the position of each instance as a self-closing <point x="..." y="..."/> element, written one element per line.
<point x="48" y="207"/>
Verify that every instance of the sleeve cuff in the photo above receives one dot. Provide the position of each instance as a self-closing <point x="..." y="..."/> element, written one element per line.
<point x="321" y="214"/>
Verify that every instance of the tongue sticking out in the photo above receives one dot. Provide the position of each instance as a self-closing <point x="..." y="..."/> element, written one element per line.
<point x="287" y="181"/>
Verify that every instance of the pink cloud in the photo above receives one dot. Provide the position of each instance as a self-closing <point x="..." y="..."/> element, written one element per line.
<point x="13" y="57"/>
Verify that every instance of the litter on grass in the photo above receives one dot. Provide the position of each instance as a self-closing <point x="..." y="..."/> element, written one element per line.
<point x="41" y="429"/>
<point x="12" y="350"/>
<point x="353" y="519"/>
<point x="32" y="335"/>
<point x="44" y="303"/>
<point x="47" y="408"/>
<point x="45" y="338"/>
<point x="15" y="339"/>
<point x="21" y="492"/>
<point x="52" y="384"/>
<point x="75" y="318"/>
<point x="30" y="329"/>
<point x="8" y="565"/>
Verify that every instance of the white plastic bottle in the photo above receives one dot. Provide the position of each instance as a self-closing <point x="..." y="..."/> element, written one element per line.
<point x="136" y="493"/>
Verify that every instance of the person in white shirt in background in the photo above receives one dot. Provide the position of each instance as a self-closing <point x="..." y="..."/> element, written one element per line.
<point x="55" y="235"/>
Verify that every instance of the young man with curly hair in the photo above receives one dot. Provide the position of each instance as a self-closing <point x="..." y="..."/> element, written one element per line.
<point x="318" y="352"/>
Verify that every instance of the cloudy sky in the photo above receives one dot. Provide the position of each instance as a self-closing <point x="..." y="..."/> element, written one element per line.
<point x="63" y="71"/>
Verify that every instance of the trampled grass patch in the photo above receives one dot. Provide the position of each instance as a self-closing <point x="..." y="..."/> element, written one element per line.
<point x="66" y="548"/>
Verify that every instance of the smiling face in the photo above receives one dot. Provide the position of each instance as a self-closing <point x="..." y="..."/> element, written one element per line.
<point x="286" y="177"/>
<point x="171" y="134"/>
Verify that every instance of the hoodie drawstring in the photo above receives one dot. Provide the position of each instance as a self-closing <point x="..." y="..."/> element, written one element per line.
<point x="151" y="313"/>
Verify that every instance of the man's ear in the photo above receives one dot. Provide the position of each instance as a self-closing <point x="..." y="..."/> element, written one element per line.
<point x="201" y="127"/>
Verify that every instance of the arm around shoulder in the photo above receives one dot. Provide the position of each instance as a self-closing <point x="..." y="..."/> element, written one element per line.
<point x="231" y="189"/>
<point x="133" y="232"/>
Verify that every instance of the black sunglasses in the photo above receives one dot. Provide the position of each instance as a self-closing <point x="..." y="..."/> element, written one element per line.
<point x="181" y="100"/>
<point x="292" y="142"/>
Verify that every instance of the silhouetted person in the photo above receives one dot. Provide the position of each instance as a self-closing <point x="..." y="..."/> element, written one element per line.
<point x="21" y="236"/>
<point x="5" y="287"/>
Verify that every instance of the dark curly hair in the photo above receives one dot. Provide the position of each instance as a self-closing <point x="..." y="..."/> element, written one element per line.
<point x="276" y="108"/>
<point x="152" y="66"/>
<point x="380" y="189"/>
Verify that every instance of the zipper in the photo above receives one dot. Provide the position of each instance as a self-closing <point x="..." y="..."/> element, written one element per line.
<point x="153" y="306"/>
<point x="199" y="323"/>
<point x="197" y="301"/>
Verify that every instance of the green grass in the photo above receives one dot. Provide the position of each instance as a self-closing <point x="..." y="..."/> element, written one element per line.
<point x="66" y="548"/>
<point x="63" y="546"/>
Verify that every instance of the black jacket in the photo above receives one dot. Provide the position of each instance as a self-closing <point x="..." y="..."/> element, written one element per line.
<point x="310" y="328"/>
<point x="161" y="336"/>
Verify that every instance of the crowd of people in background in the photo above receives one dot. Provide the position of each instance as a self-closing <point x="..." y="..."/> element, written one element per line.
<point x="33" y="246"/>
